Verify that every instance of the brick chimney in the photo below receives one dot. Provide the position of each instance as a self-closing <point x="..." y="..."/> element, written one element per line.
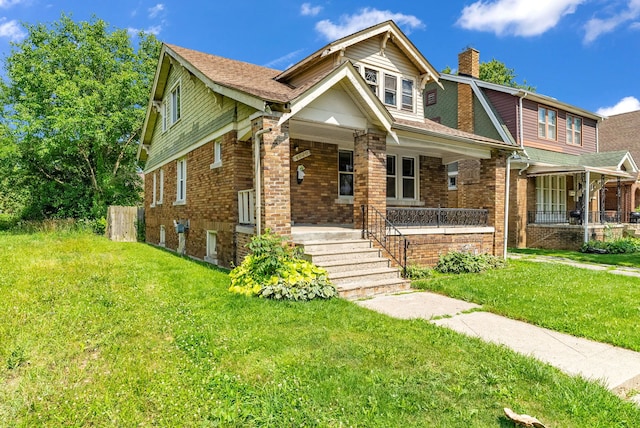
<point x="468" y="66"/>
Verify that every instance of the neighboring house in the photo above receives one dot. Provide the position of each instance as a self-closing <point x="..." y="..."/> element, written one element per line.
<point x="622" y="132"/>
<point x="548" y="189"/>
<point x="231" y="149"/>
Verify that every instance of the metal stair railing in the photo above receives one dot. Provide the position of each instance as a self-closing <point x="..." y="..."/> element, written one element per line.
<point x="376" y="226"/>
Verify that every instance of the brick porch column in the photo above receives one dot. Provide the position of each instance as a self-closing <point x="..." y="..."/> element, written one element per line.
<point x="370" y="173"/>
<point x="492" y="180"/>
<point x="276" y="186"/>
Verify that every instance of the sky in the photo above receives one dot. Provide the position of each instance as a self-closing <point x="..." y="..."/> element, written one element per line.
<point x="581" y="52"/>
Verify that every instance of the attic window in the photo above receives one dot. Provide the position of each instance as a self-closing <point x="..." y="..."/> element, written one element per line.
<point x="390" y="89"/>
<point x="371" y="77"/>
<point x="171" y="107"/>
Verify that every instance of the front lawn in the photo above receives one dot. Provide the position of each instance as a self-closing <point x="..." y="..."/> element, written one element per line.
<point x="95" y="333"/>
<point x="629" y="259"/>
<point x="592" y="304"/>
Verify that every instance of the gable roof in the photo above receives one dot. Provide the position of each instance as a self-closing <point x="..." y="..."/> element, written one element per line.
<point x="388" y="29"/>
<point x="521" y="93"/>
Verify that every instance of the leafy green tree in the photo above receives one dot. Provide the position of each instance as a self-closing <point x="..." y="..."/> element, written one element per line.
<point x="74" y="99"/>
<point x="495" y="71"/>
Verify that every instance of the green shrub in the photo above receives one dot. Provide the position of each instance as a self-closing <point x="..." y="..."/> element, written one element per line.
<point x="616" y="246"/>
<point x="464" y="262"/>
<point x="275" y="270"/>
<point x="415" y="271"/>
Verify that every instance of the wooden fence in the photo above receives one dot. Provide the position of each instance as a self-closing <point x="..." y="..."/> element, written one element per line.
<point x="123" y="223"/>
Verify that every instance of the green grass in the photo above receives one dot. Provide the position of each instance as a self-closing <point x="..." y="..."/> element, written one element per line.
<point x="95" y="333"/>
<point x="632" y="260"/>
<point x="594" y="304"/>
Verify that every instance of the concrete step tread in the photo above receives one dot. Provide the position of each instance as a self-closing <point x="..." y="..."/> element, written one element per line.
<point x="342" y="251"/>
<point x="354" y="263"/>
<point x="336" y="241"/>
<point x="363" y="273"/>
<point x="374" y="284"/>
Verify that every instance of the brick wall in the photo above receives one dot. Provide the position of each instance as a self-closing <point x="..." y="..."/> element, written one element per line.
<point x="426" y="249"/>
<point x="567" y="237"/>
<point x="211" y="199"/>
<point x="314" y="200"/>
<point x="433" y="182"/>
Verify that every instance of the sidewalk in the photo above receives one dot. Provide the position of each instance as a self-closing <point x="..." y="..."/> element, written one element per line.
<point x="617" y="270"/>
<point x="617" y="368"/>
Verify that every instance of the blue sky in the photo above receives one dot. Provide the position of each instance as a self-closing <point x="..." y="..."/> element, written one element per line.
<point x="583" y="52"/>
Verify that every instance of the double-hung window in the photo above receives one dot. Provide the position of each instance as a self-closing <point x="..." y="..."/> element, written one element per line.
<point x="551" y="197"/>
<point x="154" y="195"/>
<point x="160" y="187"/>
<point x="390" y="90"/>
<point x="181" y="179"/>
<point x="574" y="130"/>
<point x="403" y="185"/>
<point x="345" y="172"/>
<point x="547" y="120"/>
<point x="217" y="155"/>
<point x="171" y="109"/>
<point x="407" y="94"/>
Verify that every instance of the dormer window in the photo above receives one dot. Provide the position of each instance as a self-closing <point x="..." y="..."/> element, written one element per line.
<point x="371" y="77"/>
<point x="407" y="94"/>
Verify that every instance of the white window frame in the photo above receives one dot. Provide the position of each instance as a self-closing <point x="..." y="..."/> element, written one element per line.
<point x="392" y="90"/>
<point x="399" y="177"/>
<point x="394" y="162"/>
<point x="374" y="84"/>
<point x="163" y="236"/>
<point x="545" y="126"/>
<point x="217" y="155"/>
<point x="172" y="107"/>
<point x="551" y="196"/>
<point x="153" y="191"/>
<point x="181" y="181"/>
<point x="452" y="175"/>
<point x="340" y="173"/>
<point x="160" y="187"/>
<point x="403" y="106"/>
<point x="574" y="133"/>
<point x="212" y="247"/>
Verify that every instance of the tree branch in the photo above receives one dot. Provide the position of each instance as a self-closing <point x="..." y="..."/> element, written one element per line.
<point x="124" y="148"/>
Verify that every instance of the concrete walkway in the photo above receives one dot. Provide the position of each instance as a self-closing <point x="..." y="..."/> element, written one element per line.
<point x="617" y="368"/>
<point x="617" y="270"/>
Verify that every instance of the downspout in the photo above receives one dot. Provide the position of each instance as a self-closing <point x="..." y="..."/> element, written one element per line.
<point x="586" y="207"/>
<point x="258" y="180"/>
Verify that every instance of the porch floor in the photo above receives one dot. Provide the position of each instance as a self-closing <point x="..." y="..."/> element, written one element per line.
<point x="305" y="232"/>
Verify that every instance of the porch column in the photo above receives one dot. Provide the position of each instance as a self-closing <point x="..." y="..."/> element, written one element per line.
<point x="370" y="173"/>
<point x="492" y="179"/>
<point x="275" y="165"/>
<point x="518" y="209"/>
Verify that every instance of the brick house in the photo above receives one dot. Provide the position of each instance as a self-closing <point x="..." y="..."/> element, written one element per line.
<point x="560" y="173"/>
<point x="231" y="149"/>
<point x="621" y="132"/>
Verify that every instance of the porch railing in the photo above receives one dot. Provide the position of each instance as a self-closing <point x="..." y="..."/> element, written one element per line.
<point x="437" y="217"/>
<point x="375" y="226"/>
<point x="576" y="217"/>
<point x="246" y="207"/>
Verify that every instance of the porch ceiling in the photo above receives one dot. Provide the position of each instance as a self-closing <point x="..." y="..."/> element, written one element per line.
<point x="321" y="132"/>
<point x="536" y="170"/>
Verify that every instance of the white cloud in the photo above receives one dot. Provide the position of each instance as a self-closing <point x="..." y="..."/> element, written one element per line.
<point x="155" y="10"/>
<point x="8" y="3"/>
<point x="283" y="59"/>
<point x="518" y="17"/>
<point x="625" y="105"/>
<point x="307" y="10"/>
<point x="367" y="17"/>
<point x="11" y="30"/>
<point x="596" y="27"/>
<point x="154" y="29"/>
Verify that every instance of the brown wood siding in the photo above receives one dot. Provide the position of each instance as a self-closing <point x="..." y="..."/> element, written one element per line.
<point x="530" y="119"/>
<point x="507" y="108"/>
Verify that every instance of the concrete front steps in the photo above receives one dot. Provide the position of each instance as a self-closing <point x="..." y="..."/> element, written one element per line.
<point x="356" y="268"/>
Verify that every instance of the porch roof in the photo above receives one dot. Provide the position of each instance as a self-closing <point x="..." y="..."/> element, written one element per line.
<point x="546" y="162"/>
